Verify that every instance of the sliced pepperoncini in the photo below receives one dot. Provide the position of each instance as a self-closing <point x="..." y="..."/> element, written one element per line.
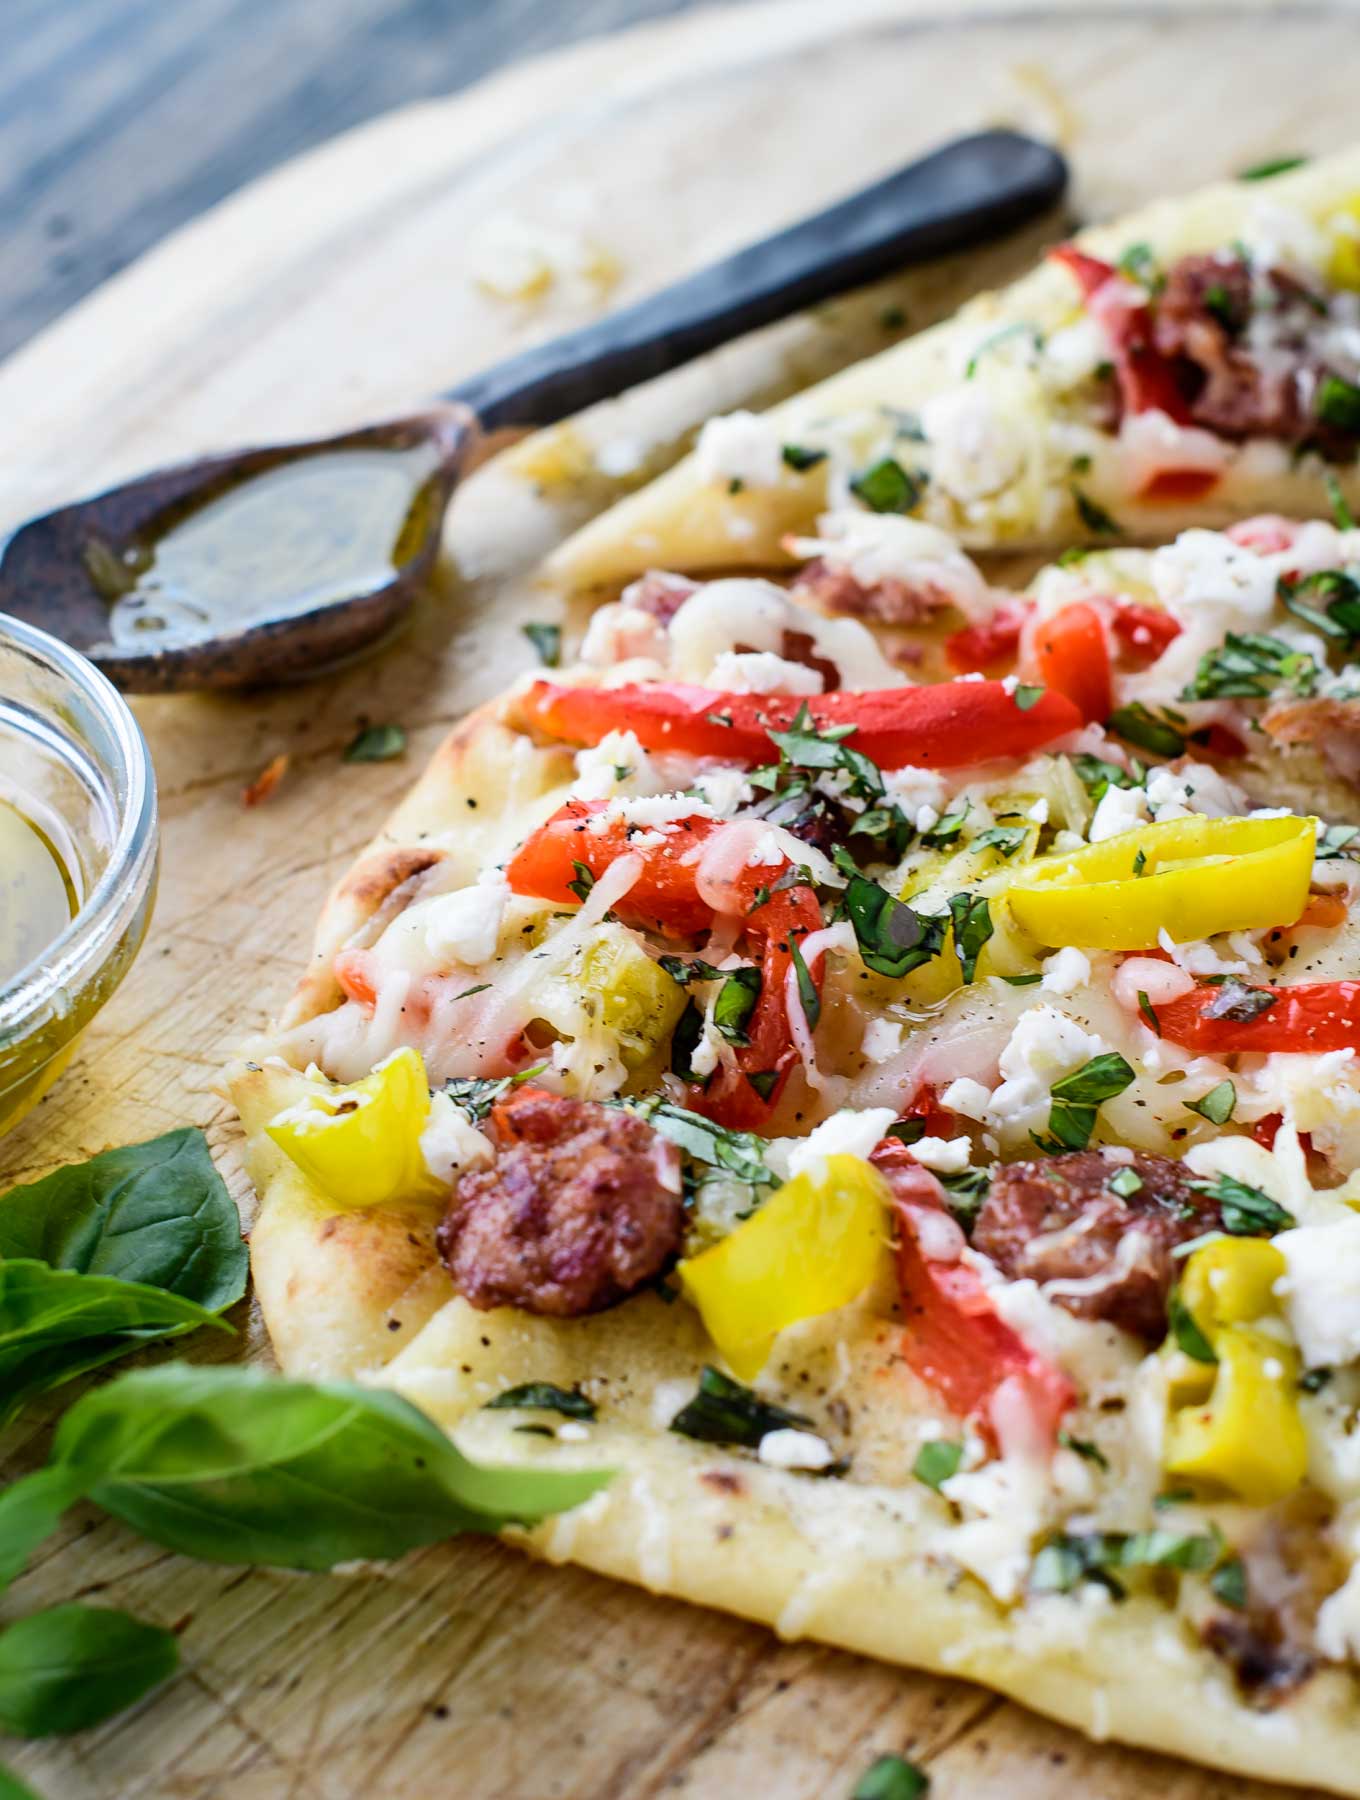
<point x="817" y="1243"/>
<point x="1190" y="877"/>
<point x="1344" y="268"/>
<point x="984" y="869"/>
<point x="612" y="983"/>
<point x="1234" y="1423"/>
<point x="360" y="1143"/>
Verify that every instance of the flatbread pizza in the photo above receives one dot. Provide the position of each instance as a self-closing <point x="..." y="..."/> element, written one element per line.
<point x="905" y="1129"/>
<point x="1192" y="364"/>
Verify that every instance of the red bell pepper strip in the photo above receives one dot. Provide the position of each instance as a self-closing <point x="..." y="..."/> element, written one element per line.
<point x="1069" y="655"/>
<point x="1146" y="379"/>
<point x="948" y="725"/>
<point x="982" y="649"/>
<point x="955" y="1339"/>
<point x="1309" y="1017"/>
<point x="664" y="898"/>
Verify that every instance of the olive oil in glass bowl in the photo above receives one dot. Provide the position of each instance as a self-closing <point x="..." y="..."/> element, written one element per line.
<point x="78" y="855"/>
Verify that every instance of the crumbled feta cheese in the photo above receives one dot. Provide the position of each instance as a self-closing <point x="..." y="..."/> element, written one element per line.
<point x="1193" y="788"/>
<point x="572" y="1431"/>
<point x="946" y="1156"/>
<point x="1045" y="1046"/>
<point x="882" y="1039"/>
<point x="617" y="762"/>
<point x="791" y="1449"/>
<point x="1118" y="810"/>
<point x="1321" y="1291"/>
<point x="450" y="1143"/>
<point x="1065" y="971"/>
<point x="650" y="811"/>
<point x="913" y="789"/>
<point x="740" y="446"/>
<point x="845" y="1133"/>
<point x="464" y="927"/>
<point x="1039" y="811"/>
<point x="1200" y="958"/>
<point x="926" y="818"/>
<point x="1206" y="571"/>
<point x="762" y="672"/>
<point x="725" y="790"/>
<point x="966" y="1096"/>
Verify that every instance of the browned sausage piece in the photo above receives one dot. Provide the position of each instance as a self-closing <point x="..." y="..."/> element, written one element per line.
<point x="1057" y="1221"/>
<point x="581" y="1207"/>
<point x="888" y="602"/>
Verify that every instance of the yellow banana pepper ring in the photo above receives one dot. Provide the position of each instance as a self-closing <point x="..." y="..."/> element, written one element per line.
<point x="1190" y="877"/>
<point x="816" y="1244"/>
<point x="1235" y="1423"/>
<point x="360" y="1143"/>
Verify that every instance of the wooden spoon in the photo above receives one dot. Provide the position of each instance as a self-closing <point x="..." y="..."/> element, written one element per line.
<point x="272" y="564"/>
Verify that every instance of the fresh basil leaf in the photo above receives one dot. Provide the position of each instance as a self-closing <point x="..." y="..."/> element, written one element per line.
<point x="1276" y="165"/>
<point x="55" y="1325"/>
<point x="1026" y="695"/>
<point x="763" y="1081"/>
<point x="891" y="1777"/>
<point x="1237" y="1001"/>
<point x="808" y="997"/>
<point x="735" y="1003"/>
<point x="936" y="1461"/>
<point x="1251" y="666"/>
<point x="1017" y="328"/>
<point x="1078" y="1097"/>
<point x="1336" y="613"/>
<point x="800" y="457"/>
<point x="1125" y="1182"/>
<point x="972" y="918"/>
<point x="886" y="487"/>
<point x="11" y="1788"/>
<point x="683" y="970"/>
<point x="1145" y="729"/>
<point x="724" y="1412"/>
<point x="946" y="830"/>
<point x="583" y="883"/>
<point x="1245" y="1210"/>
<point x="1067" y="1560"/>
<point x="805" y="747"/>
<point x="542" y="1396"/>
<point x="1004" y="839"/>
<point x="1098" y="776"/>
<point x="71" y="1667"/>
<point x="1085" y="1449"/>
<point x="1337" y="403"/>
<point x="1093" y="516"/>
<point x="892" y="938"/>
<point x="30" y="1511"/>
<point x="966" y="1193"/>
<point x="234" y="1466"/>
<point x="1149" y="1012"/>
<point x="1186" y="1332"/>
<point x="1228" y="1583"/>
<point x="156" y="1213"/>
<point x="1342" y="517"/>
<point x="1218" y="1105"/>
<point x="741" y="1153"/>
<point x="547" y="640"/>
<point x="375" y="743"/>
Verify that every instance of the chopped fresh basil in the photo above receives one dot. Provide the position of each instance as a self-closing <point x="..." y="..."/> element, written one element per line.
<point x="686" y="1037"/>
<point x="1228" y="1583"/>
<point x="1250" y="666"/>
<point x="1338" y="840"/>
<point x="1027" y="695"/>
<point x="887" y="827"/>
<point x="800" y="456"/>
<point x="1312" y="1381"/>
<point x="1074" y="553"/>
<point x="542" y="1396"/>
<point x="763" y="1081"/>
<point x="547" y="640"/>
<point x="907" y="1131"/>
<point x="1218" y="303"/>
<point x="683" y="970"/>
<point x="741" y="1153"/>
<point x="1218" y="1105"/>
<point x="1017" y="328"/>
<point x="1084" y="1448"/>
<point x="376" y="743"/>
<point x="1098" y="776"/>
<point x="1275" y="165"/>
<point x="946" y="830"/>
<point x="1337" y="403"/>
<point x="1246" y="1211"/>
<point x="583" y="883"/>
<point x="892" y="938"/>
<point x="1004" y="839"/>
<point x="1172" y="1497"/>
<point x="1066" y="1561"/>
<point x="1237" y="1001"/>
<point x="1125" y="1182"/>
<point x="477" y="1094"/>
<point x="1094" y="516"/>
<point x="966" y="1193"/>
<point x="1140" y="264"/>
<point x="936" y="1461"/>
<point x="724" y="1412"/>
<point x="972" y="919"/>
<point x="1145" y="729"/>
<point x="1186" y="1332"/>
<point x="1337" y="612"/>
<point x="1077" y="1098"/>
<point x="467" y="993"/>
<point x="808" y="997"/>
<point x="1139" y="860"/>
<point x="1342" y="517"/>
<point x="891" y="1777"/>
<point x="735" y="1003"/>
<point x="886" y="487"/>
<point x="1149" y="1012"/>
<point x="1023" y="980"/>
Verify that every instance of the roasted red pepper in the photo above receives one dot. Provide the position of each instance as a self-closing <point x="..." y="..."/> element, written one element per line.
<point x="1068" y="654"/>
<point x="985" y="648"/>
<point x="1310" y="1017"/>
<point x="1146" y="379"/>
<point x="950" y="724"/>
<point x="955" y="1339"/>
<point x="1143" y="632"/>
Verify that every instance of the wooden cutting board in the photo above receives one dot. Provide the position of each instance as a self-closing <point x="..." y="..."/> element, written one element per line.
<point x="339" y="289"/>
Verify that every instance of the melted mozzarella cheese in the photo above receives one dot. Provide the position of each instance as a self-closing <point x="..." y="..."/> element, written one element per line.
<point x="739" y="446"/>
<point x="742" y="614"/>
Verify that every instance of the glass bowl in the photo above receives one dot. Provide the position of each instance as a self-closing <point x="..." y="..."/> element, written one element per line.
<point x="73" y="762"/>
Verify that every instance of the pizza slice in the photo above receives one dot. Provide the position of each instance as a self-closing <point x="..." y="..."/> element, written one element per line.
<point x="1192" y="364"/>
<point x="926" y="1183"/>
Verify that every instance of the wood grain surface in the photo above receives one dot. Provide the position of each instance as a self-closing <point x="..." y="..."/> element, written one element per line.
<point x="338" y="289"/>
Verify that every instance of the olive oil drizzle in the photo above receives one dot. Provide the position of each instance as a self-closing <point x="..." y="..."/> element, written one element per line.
<point x="38" y="893"/>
